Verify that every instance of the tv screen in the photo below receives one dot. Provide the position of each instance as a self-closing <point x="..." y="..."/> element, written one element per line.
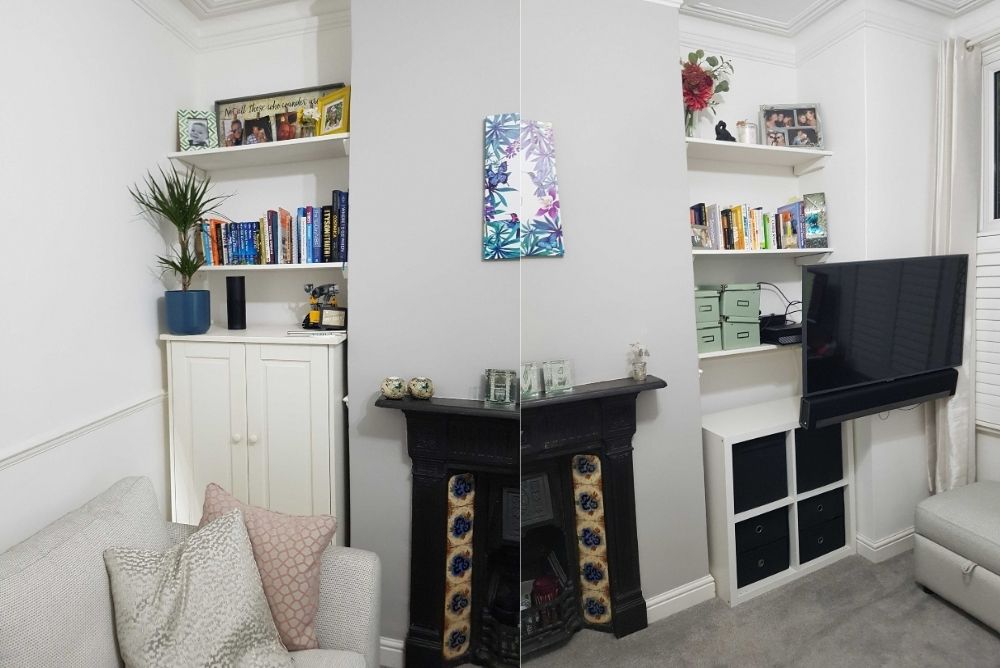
<point x="876" y="321"/>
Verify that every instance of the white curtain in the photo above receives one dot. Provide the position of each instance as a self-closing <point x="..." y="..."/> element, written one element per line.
<point x="951" y="430"/>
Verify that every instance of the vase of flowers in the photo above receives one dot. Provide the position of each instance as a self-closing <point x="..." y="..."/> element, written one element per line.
<point x="308" y="119"/>
<point x="701" y="82"/>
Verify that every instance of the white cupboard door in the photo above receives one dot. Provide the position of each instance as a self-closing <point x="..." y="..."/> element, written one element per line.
<point x="289" y="428"/>
<point x="208" y="400"/>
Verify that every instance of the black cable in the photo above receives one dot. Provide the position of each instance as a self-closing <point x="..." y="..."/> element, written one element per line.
<point x="787" y="300"/>
<point x="788" y="311"/>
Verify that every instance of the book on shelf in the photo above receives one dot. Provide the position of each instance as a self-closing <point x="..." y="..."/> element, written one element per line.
<point x="800" y="224"/>
<point x="312" y="234"/>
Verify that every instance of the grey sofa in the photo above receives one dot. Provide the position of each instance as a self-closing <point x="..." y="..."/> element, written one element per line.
<point x="55" y="600"/>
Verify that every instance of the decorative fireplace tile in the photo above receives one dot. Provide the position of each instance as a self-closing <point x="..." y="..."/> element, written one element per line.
<point x="586" y="470"/>
<point x="460" y="526"/>
<point x="593" y="573"/>
<point x="458" y="603"/>
<point x="459" y="565"/>
<point x="461" y="490"/>
<point x="589" y="502"/>
<point x="596" y="606"/>
<point x="456" y="640"/>
<point x="590" y="538"/>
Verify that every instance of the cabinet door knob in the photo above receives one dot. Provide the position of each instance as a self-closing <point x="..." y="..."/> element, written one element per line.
<point x="819" y="508"/>
<point x="253" y="439"/>
<point x="759" y="528"/>
<point x="760" y="563"/>
<point x="237" y="438"/>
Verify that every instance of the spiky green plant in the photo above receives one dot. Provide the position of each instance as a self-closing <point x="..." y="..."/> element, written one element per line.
<point x="182" y="200"/>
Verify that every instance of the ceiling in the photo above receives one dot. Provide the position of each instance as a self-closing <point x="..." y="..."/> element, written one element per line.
<point x="209" y="9"/>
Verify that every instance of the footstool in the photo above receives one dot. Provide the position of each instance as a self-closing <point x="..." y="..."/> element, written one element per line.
<point x="957" y="549"/>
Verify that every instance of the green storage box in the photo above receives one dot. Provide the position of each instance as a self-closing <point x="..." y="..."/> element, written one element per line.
<point x="740" y="300"/>
<point x="706" y="305"/>
<point x="709" y="337"/>
<point x="740" y="332"/>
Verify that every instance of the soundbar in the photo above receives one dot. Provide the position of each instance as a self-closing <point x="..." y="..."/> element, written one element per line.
<point x="829" y="408"/>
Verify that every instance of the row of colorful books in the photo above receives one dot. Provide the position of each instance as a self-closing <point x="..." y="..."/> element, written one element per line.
<point x="313" y="234"/>
<point x="801" y="224"/>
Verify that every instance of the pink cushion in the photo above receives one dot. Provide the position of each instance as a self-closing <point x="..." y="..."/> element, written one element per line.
<point x="287" y="549"/>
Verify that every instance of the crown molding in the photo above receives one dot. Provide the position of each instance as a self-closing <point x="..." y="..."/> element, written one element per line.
<point x="243" y="28"/>
<point x="207" y="9"/>
<point x="949" y="8"/>
<point x="692" y="40"/>
<point x="675" y="4"/>
<point x="706" y="10"/>
<point x="865" y="19"/>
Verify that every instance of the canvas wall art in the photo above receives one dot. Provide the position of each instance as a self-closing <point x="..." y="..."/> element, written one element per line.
<point x="520" y="190"/>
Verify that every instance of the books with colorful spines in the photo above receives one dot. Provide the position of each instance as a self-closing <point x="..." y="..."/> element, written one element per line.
<point x="738" y="238"/>
<point x="800" y="230"/>
<point x="772" y="234"/>
<point x="761" y="233"/>
<point x="316" y="220"/>
<point x="326" y="215"/>
<point x="790" y="216"/>
<point x="335" y="226"/>
<point x="202" y="245"/>
<point x="727" y="229"/>
<point x="303" y="248"/>
<point x="265" y="240"/>
<point x="287" y="236"/>
<point x="255" y="242"/>
<point x="310" y="259"/>
<point x="343" y="215"/>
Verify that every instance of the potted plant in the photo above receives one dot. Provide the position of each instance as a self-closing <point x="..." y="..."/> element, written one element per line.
<point x="183" y="201"/>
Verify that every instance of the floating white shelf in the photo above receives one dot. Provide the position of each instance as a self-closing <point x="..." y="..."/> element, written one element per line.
<point x="764" y="347"/>
<point x="273" y="267"/>
<point x="800" y="160"/>
<point x="307" y="149"/>
<point x="789" y="252"/>
<point x="272" y="333"/>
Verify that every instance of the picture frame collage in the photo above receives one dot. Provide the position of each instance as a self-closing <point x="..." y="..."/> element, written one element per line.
<point x="270" y="117"/>
<point x="791" y="125"/>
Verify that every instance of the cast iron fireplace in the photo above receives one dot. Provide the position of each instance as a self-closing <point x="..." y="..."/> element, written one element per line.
<point x="464" y="532"/>
<point x="579" y="551"/>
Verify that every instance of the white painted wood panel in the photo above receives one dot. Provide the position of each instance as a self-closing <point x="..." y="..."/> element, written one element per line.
<point x="288" y="398"/>
<point x="208" y="405"/>
<point x="987" y="325"/>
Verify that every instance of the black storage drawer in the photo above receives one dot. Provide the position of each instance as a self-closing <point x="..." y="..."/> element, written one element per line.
<point x="764" y="561"/>
<point x="761" y="530"/>
<point x="817" y="540"/>
<point x="818" y="457"/>
<point x="821" y="508"/>
<point x="759" y="472"/>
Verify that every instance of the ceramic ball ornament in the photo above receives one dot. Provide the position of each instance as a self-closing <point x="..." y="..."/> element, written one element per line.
<point x="393" y="387"/>
<point x="421" y="387"/>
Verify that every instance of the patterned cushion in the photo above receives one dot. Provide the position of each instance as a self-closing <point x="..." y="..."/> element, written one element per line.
<point x="55" y="604"/>
<point x="327" y="658"/>
<point x="288" y="550"/>
<point x="199" y="603"/>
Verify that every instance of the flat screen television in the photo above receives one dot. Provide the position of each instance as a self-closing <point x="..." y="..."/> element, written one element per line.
<point x="881" y="320"/>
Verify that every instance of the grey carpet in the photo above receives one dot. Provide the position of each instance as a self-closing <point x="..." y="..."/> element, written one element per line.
<point x="852" y="613"/>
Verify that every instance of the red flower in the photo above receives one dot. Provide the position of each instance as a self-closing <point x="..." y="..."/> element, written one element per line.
<point x="698" y="86"/>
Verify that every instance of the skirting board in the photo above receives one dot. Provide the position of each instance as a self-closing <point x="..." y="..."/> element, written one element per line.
<point x="680" y="598"/>
<point x="658" y="607"/>
<point x="877" y="551"/>
<point x="390" y="652"/>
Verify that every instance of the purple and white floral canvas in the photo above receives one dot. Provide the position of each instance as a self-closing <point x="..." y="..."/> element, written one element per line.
<point x="520" y="220"/>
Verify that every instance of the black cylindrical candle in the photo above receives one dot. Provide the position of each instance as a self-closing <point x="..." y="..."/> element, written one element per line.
<point x="236" y="302"/>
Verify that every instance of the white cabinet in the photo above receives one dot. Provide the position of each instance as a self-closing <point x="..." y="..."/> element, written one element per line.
<point x="261" y="416"/>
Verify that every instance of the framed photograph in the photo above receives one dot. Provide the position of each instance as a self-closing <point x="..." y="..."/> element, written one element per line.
<point x="558" y="376"/>
<point x="258" y="131"/>
<point x="532" y="381"/>
<point x="282" y="108"/>
<point x="795" y="125"/>
<point x="196" y="130"/>
<point x="500" y="386"/>
<point x="335" y="112"/>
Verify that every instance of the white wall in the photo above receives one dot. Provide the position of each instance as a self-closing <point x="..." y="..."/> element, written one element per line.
<point x="78" y="339"/>
<point x="422" y="302"/>
<point x="627" y="272"/>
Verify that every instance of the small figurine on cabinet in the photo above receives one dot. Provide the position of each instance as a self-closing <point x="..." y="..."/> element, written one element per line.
<point x="721" y="133"/>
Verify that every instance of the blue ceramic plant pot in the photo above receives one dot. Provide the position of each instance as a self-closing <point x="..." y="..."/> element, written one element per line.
<point x="188" y="311"/>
